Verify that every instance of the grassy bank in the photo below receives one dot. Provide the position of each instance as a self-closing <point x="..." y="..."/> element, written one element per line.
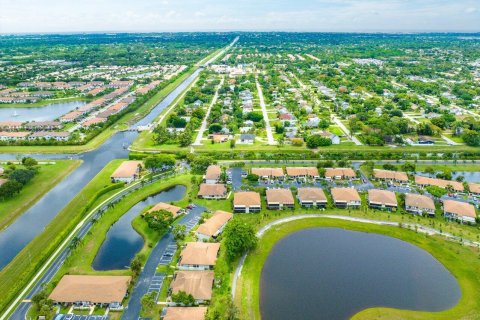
<point x="461" y="261"/>
<point x="80" y="261"/>
<point x="48" y="176"/>
<point x="21" y="269"/>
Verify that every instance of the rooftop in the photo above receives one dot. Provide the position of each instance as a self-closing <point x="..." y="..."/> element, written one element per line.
<point x="283" y="196"/>
<point x="311" y="194"/>
<point x="214" y="223"/>
<point x="246" y="198"/>
<point x="127" y="169"/>
<point x="383" y="197"/>
<point x="419" y="201"/>
<point x="185" y="313"/>
<point x="94" y="289"/>
<point x="197" y="283"/>
<point x="199" y="253"/>
<point x="345" y="194"/>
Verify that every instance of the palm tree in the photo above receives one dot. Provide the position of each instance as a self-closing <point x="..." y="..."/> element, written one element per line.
<point x="74" y="243"/>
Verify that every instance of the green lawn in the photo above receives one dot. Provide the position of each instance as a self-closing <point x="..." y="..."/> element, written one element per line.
<point x="19" y="271"/>
<point x="461" y="261"/>
<point x="80" y="262"/>
<point x="48" y="176"/>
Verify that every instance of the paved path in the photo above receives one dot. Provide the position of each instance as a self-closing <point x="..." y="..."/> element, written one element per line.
<point x="418" y="227"/>
<point x="344" y="129"/>
<point x="203" y="127"/>
<point x="268" y="128"/>
<point x="144" y="281"/>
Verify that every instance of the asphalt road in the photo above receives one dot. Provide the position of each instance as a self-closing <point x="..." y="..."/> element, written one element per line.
<point x="132" y="310"/>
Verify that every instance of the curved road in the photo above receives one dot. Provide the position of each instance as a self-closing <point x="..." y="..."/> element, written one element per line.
<point x="413" y="226"/>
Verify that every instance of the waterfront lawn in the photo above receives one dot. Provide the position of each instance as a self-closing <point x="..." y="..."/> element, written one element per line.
<point x="80" y="261"/>
<point x="49" y="174"/>
<point x="19" y="271"/>
<point x="461" y="261"/>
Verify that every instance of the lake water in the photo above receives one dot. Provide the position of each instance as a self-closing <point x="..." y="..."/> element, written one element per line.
<point x="44" y="113"/>
<point x="469" y="176"/>
<point x="329" y="273"/>
<point x="122" y="242"/>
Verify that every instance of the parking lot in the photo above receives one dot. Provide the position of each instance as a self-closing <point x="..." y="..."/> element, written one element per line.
<point x="156" y="284"/>
<point x="190" y="224"/>
<point x="168" y="254"/>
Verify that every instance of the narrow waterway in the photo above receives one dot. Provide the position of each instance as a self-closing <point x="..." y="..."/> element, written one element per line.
<point x="122" y="242"/>
<point x="330" y="273"/>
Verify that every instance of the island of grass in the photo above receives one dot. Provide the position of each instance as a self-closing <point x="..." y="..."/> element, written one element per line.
<point x="461" y="261"/>
<point x="49" y="174"/>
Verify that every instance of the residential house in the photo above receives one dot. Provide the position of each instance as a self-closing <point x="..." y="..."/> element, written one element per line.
<point x="446" y="184"/>
<point x="174" y="210"/>
<point x="85" y="291"/>
<point x="246" y="138"/>
<point x="269" y="173"/>
<point x="382" y="199"/>
<point x="212" y="191"/>
<point x="311" y="197"/>
<point x="461" y="211"/>
<point x="128" y="171"/>
<point x="303" y="172"/>
<point x="390" y="176"/>
<point x="346" y="197"/>
<point x="198" y="256"/>
<point x="474" y="189"/>
<point x="13" y="135"/>
<point x="246" y="202"/>
<point x="214" y="225"/>
<point x="278" y="199"/>
<point x="419" y="204"/>
<point x="48" y="135"/>
<point x="11" y="125"/>
<point x="212" y="175"/>
<point x="185" y="313"/>
<point x="197" y="283"/>
<point x="340" y="174"/>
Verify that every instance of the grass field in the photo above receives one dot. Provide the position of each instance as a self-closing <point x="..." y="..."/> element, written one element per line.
<point x="48" y="176"/>
<point x="19" y="271"/>
<point x="463" y="262"/>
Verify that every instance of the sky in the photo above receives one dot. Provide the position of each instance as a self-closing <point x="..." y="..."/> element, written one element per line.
<point x="52" y="16"/>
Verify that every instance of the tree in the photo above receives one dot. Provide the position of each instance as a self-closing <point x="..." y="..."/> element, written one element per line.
<point x="148" y="300"/>
<point x="239" y="238"/>
<point x="255" y="116"/>
<point x="22" y="175"/>
<point x="29" y="162"/>
<point x="471" y="138"/>
<point x="159" y="220"/>
<point x="10" y="189"/>
<point x="42" y="304"/>
<point x="315" y="141"/>
<point x="215" y="128"/>
<point x="136" y="266"/>
<point x="179" y="231"/>
<point x="409" y="167"/>
<point x="436" y="191"/>
<point x="183" y="298"/>
<point x="159" y="162"/>
<point x="185" y="139"/>
<point x="200" y="164"/>
<point x="252" y="177"/>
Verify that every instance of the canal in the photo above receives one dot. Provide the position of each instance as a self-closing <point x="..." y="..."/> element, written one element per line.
<point x="330" y="273"/>
<point x="17" y="235"/>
